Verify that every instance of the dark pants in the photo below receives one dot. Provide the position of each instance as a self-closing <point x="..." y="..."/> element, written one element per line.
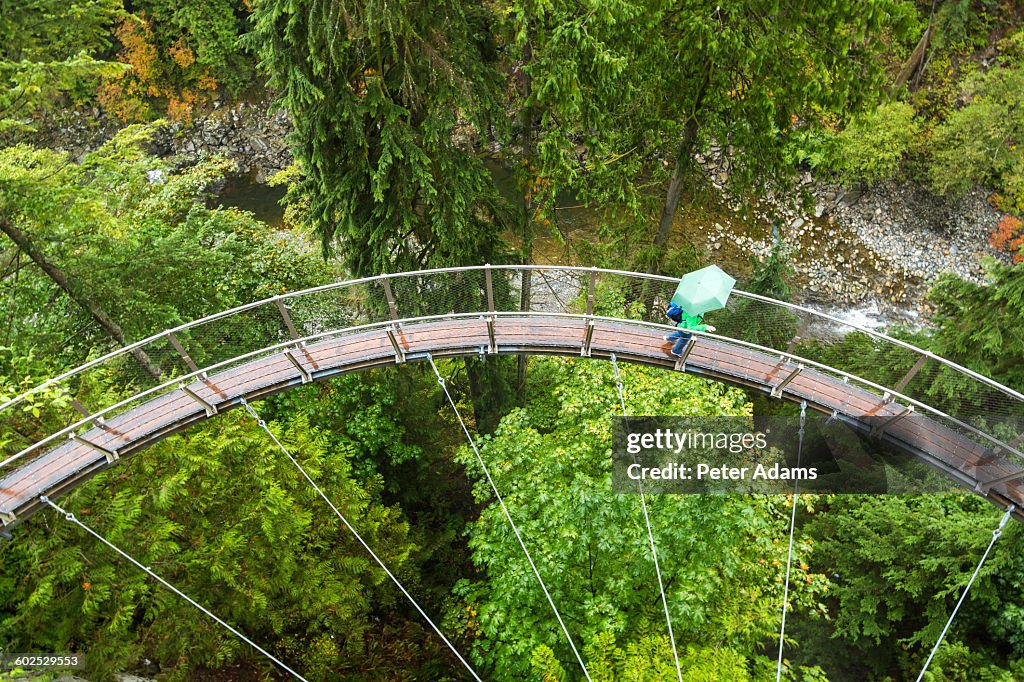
<point x="681" y="339"/>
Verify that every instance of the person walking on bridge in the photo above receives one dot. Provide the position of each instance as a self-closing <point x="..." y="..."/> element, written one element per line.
<point x="687" y="322"/>
<point x="697" y="293"/>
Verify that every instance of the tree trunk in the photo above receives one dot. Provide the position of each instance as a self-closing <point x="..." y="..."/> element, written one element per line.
<point x="488" y="391"/>
<point x="683" y="161"/>
<point x="915" y="61"/>
<point x="9" y="258"/>
<point x="60" y="278"/>
<point x="14" y="296"/>
<point x="526" y="254"/>
<point x="675" y="186"/>
<point x="668" y="209"/>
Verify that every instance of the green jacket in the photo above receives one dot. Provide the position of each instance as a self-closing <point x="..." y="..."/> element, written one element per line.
<point x="694" y="323"/>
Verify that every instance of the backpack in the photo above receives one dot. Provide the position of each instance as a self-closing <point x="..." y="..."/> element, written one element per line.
<point x="674" y="313"/>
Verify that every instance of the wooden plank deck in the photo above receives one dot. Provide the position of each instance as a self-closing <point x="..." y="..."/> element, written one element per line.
<point x="70" y="463"/>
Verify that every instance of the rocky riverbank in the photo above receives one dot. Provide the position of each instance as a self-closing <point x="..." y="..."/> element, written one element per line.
<point x="246" y="133"/>
<point x="880" y="248"/>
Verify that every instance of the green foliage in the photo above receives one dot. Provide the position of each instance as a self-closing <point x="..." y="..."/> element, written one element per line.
<point x="210" y="29"/>
<point x="955" y="662"/>
<point x="650" y="659"/>
<point x="757" y="322"/>
<point x="139" y="239"/>
<point x="979" y="325"/>
<point x="980" y="143"/>
<point x="769" y="277"/>
<point x="41" y="413"/>
<point x="743" y="84"/>
<point x="898" y="565"/>
<point x="392" y="104"/>
<point x="571" y="67"/>
<point x="223" y="515"/>
<point x="812" y="147"/>
<point x="545" y="666"/>
<point x="963" y="23"/>
<point x="180" y="54"/>
<point x="375" y="92"/>
<point x="51" y="55"/>
<point x="874" y="145"/>
<point x="720" y="557"/>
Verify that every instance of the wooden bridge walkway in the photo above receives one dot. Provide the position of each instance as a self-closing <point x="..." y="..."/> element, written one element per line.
<point x="77" y="459"/>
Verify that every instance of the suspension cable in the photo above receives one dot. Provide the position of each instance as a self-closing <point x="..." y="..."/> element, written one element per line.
<point x="650" y="533"/>
<point x="263" y="425"/>
<point x="792" y="527"/>
<point x="995" y="536"/>
<point x="508" y="516"/>
<point x="73" y="519"/>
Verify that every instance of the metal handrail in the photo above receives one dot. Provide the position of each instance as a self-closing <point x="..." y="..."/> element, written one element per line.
<point x="530" y="268"/>
<point x="290" y="343"/>
<point x="527" y="270"/>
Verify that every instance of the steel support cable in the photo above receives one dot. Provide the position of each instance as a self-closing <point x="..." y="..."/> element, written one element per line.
<point x="995" y="536"/>
<point x="73" y="519"/>
<point x="508" y="516"/>
<point x="792" y="527"/>
<point x="650" y="533"/>
<point x="263" y="425"/>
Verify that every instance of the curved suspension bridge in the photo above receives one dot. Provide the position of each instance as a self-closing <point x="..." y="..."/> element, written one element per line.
<point x="966" y="425"/>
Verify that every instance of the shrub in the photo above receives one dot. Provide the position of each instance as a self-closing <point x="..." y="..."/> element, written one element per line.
<point x="980" y="143"/>
<point x="166" y="79"/>
<point x="1009" y="236"/>
<point x="873" y="146"/>
<point x="181" y="54"/>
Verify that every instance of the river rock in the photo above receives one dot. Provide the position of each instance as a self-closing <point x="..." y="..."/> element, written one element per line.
<point x="248" y="134"/>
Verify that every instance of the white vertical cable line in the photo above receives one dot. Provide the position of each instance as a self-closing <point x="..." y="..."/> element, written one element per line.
<point x="71" y="517"/>
<point x="792" y="527"/>
<point x="995" y="536"/>
<point x="650" y="533"/>
<point x="263" y="425"/>
<point x="508" y="517"/>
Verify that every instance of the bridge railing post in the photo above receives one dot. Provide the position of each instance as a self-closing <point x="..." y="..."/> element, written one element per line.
<point x="889" y="421"/>
<point x="490" y="318"/>
<point x="385" y="282"/>
<point x="801" y="332"/>
<point x="395" y="343"/>
<point x="111" y="455"/>
<point x="292" y="331"/>
<point x="303" y="372"/>
<point x="81" y="409"/>
<point x="588" y="321"/>
<point x="984" y="486"/>
<point x="591" y="287"/>
<point x="911" y="373"/>
<point x="781" y="386"/>
<point x="209" y="407"/>
<point x="489" y="285"/>
<point x="680" y="365"/>
<point x="185" y="357"/>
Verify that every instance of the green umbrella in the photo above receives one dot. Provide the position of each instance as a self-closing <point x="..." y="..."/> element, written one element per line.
<point x="703" y="290"/>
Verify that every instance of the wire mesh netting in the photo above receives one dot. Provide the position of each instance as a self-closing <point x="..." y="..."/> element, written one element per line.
<point x="326" y="310"/>
<point x="884" y="366"/>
